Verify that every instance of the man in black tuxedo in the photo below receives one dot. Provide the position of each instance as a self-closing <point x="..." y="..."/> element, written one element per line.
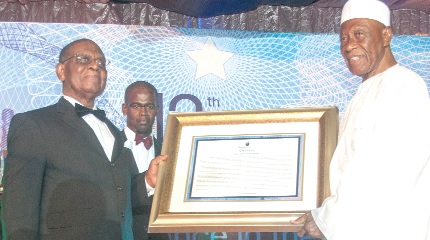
<point x="141" y="106"/>
<point x="68" y="174"/>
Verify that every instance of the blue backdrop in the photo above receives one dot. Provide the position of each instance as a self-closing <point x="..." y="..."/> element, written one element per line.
<point x="193" y="69"/>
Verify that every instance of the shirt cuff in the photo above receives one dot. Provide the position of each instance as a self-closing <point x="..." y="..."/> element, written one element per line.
<point x="149" y="189"/>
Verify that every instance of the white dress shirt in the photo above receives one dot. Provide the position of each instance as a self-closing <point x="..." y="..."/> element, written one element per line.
<point x="141" y="155"/>
<point x="100" y="128"/>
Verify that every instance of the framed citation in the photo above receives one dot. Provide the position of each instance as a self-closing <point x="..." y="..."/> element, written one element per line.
<point x="248" y="170"/>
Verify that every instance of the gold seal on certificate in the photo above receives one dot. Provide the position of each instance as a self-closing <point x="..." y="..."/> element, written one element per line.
<point x="249" y="170"/>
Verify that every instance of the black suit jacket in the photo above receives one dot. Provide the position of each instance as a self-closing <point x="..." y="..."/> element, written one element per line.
<point x="59" y="183"/>
<point x="141" y="203"/>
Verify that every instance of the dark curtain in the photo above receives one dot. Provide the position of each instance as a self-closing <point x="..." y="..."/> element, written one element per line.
<point x="317" y="18"/>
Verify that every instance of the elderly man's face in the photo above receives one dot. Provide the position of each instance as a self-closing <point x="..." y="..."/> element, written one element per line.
<point x="363" y="46"/>
<point x="83" y="80"/>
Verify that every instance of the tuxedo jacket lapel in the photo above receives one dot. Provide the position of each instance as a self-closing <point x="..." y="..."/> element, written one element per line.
<point x="68" y="114"/>
<point x="157" y="146"/>
<point x="119" y="141"/>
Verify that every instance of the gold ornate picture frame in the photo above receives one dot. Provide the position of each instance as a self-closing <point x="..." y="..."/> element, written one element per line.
<point x="246" y="170"/>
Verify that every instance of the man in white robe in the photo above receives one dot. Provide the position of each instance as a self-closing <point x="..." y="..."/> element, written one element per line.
<point x="380" y="171"/>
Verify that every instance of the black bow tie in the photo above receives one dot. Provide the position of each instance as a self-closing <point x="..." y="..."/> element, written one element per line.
<point x="82" y="111"/>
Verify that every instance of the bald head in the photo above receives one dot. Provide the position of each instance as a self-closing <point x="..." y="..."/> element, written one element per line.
<point x="65" y="52"/>
<point x="139" y="85"/>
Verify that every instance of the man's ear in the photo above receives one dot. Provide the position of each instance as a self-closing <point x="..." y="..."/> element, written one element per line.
<point x="387" y="35"/>
<point x="124" y="109"/>
<point x="59" y="70"/>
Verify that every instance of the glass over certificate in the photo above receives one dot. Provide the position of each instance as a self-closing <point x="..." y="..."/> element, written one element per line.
<point x="245" y="167"/>
<point x="243" y="171"/>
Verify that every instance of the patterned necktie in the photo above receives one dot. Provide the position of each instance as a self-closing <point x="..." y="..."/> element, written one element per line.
<point x="147" y="141"/>
<point x="82" y="111"/>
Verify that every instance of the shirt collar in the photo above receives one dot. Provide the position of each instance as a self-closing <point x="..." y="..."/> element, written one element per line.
<point x="74" y="101"/>
<point x="130" y="134"/>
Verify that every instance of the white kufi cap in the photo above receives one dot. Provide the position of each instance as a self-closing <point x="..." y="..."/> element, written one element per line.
<point x="371" y="9"/>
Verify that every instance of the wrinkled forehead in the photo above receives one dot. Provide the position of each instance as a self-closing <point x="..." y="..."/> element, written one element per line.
<point x="87" y="47"/>
<point x="360" y="23"/>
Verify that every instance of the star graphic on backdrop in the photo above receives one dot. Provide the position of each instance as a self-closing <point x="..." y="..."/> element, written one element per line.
<point x="210" y="60"/>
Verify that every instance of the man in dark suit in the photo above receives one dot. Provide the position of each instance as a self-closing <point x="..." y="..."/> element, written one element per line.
<point x="141" y="106"/>
<point x="68" y="174"/>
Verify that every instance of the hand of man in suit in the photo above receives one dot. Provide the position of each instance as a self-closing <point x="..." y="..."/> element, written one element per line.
<point x="151" y="173"/>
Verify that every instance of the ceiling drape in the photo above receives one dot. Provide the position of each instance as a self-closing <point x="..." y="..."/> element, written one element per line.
<point x="316" y="18"/>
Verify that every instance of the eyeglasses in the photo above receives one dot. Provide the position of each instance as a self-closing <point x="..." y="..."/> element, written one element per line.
<point x="85" y="60"/>
<point x="148" y="107"/>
